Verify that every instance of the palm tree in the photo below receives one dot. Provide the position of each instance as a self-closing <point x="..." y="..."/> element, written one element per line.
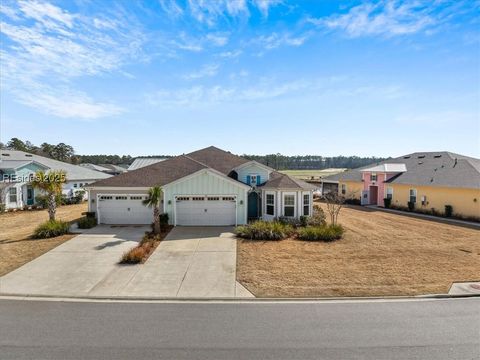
<point x="51" y="184"/>
<point x="153" y="201"/>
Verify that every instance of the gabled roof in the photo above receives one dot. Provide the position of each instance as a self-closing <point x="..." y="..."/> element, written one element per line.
<point x="17" y="164"/>
<point x="282" y="181"/>
<point x="256" y="163"/>
<point x="440" y="168"/>
<point x="388" y="168"/>
<point x="142" y="162"/>
<point x="94" y="167"/>
<point x="217" y="159"/>
<point x="74" y="172"/>
<point x="158" y="174"/>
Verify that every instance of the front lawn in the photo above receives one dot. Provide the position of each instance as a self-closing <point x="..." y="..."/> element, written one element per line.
<point x="380" y="254"/>
<point x="16" y="228"/>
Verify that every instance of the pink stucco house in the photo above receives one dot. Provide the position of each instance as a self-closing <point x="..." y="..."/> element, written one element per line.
<point x="374" y="179"/>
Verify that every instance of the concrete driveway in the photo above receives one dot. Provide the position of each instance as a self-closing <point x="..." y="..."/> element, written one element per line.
<point x="192" y="262"/>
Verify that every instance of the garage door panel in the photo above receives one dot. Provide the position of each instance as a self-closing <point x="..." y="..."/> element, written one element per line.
<point x="123" y="209"/>
<point x="214" y="212"/>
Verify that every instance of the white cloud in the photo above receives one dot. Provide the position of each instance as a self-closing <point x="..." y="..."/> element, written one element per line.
<point x="230" y="54"/>
<point x="265" y="5"/>
<point x="275" y="40"/>
<point x="217" y="40"/>
<point x="206" y="71"/>
<point x="171" y="8"/>
<point x="388" y="18"/>
<point x="269" y="89"/>
<point x="60" y="47"/>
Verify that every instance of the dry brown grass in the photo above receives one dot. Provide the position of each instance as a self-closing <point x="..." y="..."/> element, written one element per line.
<point x="16" y="248"/>
<point x="380" y="254"/>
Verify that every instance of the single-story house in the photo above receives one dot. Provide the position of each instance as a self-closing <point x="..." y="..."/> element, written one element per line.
<point x="143" y="161"/>
<point x="17" y="167"/>
<point x="429" y="180"/>
<point x="206" y="187"/>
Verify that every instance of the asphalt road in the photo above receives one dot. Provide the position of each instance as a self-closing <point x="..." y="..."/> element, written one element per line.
<point x="427" y="329"/>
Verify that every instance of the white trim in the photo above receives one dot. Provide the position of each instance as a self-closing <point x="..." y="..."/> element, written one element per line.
<point x="212" y="172"/>
<point x="274" y="201"/>
<point x="253" y="162"/>
<point x="100" y="188"/>
<point x="295" y="205"/>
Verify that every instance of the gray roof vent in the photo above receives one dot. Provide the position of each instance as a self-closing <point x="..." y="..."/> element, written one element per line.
<point x="437" y="156"/>
<point x="28" y="155"/>
<point x="5" y="154"/>
<point x="421" y="156"/>
<point x="407" y="157"/>
<point x="420" y="162"/>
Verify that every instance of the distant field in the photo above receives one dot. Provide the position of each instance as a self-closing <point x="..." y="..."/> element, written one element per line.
<point x="316" y="174"/>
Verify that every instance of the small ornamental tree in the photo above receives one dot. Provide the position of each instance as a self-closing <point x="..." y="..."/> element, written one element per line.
<point x="335" y="203"/>
<point x="153" y="201"/>
<point x="51" y="184"/>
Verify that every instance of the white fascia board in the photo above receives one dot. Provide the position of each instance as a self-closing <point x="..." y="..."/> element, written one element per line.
<point x="211" y="171"/>
<point x="253" y="162"/>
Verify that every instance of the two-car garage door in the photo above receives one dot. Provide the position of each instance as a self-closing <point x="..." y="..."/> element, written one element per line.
<point x="123" y="209"/>
<point x="205" y="210"/>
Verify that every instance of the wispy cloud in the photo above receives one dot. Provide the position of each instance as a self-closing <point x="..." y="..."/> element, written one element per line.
<point x="60" y="47"/>
<point x="171" y="8"/>
<point x="205" y="71"/>
<point x="276" y="40"/>
<point x="230" y="54"/>
<point x="265" y="5"/>
<point x="386" y="18"/>
<point x="268" y="89"/>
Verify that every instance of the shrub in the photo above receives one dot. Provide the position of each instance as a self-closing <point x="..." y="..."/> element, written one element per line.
<point x="133" y="256"/>
<point x="51" y="228"/>
<point x="325" y="233"/>
<point x="90" y="214"/>
<point x="292" y="221"/>
<point x="264" y="230"/>
<point x="352" y="201"/>
<point x="448" y="210"/>
<point x="387" y="202"/>
<point x="304" y="220"/>
<point x="3" y="207"/>
<point x="411" y="206"/>
<point x="317" y="218"/>
<point x="87" y="223"/>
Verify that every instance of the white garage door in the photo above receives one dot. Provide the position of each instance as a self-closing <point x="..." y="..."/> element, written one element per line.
<point x="123" y="209"/>
<point x="206" y="210"/>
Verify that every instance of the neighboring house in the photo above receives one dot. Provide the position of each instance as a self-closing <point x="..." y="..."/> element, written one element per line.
<point x="142" y="162"/>
<point x="206" y="187"/>
<point x="430" y="180"/>
<point x="17" y="167"/>
<point x="105" y="168"/>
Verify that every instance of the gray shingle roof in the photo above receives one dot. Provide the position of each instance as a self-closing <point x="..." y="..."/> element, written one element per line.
<point x="157" y="174"/>
<point x="74" y="172"/>
<point x="440" y="168"/>
<point x="142" y="162"/>
<point x="282" y="181"/>
<point x="218" y="159"/>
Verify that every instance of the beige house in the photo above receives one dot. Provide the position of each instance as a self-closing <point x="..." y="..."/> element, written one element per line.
<point x="428" y="181"/>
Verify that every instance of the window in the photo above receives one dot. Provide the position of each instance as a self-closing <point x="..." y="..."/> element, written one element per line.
<point x="120" y="198"/>
<point x="75" y="185"/>
<point x="270" y="210"/>
<point x="228" y="198"/>
<point x="306" y="204"/>
<point x="289" y="205"/>
<point x="253" y="179"/>
<point x="413" y="195"/>
<point x="389" y="193"/>
<point x="12" y="195"/>
<point x="373" y="177"/>
<point x="198" y="198"/>
<point x="183" y="198"/>
<point x="81" y="184"/>
<point x="213" y="198"/>
<point x="344" y="189"/>
<point x="106" y="197"/>
<point x="136" y="197"/>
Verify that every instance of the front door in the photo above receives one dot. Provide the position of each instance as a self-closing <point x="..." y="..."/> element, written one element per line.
<point x="253" y="207"/>
<point x="373" y="195"/>
<point x="30" y="195"/>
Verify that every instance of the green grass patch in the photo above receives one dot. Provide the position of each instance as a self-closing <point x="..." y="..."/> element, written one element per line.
<point x="51" y="229"/>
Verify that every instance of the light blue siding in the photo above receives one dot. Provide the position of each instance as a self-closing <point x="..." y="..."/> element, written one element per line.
<point x="205" y="183"/>
<point x="252" y="169"/>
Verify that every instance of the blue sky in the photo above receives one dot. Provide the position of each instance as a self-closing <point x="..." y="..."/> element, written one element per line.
<point x="305" y="77"/>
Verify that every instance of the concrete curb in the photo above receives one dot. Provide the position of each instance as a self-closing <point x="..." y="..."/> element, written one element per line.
<point x="231" y="300"/>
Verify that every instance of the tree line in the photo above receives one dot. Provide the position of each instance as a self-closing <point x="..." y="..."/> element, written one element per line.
<point x="66" y="153"/>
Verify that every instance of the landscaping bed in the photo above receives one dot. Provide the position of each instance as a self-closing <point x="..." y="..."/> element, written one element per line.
<point x="140" y="253"/>
<point x="380" y="254"/>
